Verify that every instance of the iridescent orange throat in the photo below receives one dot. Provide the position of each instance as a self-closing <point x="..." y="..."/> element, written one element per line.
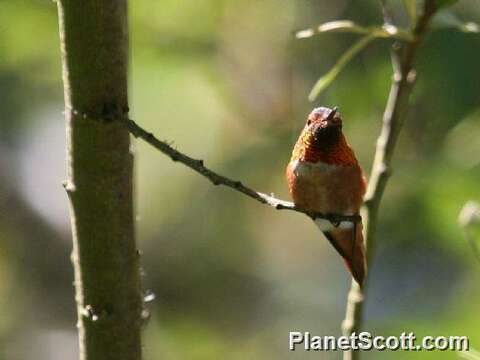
<point x="333" y="150"/>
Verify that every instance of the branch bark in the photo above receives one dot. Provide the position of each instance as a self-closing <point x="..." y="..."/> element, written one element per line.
<point x="397" y="105"/>
<point x="217" y="179"/>
<point x="94" y="43"/>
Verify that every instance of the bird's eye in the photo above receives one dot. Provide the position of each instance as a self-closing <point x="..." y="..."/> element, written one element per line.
<point x="309" y="122"/>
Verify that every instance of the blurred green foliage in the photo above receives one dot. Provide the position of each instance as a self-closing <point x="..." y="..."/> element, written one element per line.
<point x="228" y="82"/>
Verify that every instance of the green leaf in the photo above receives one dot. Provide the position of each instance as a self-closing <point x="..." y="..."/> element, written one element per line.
<point x="445" y="3"/>
<point x="411" y="8"/>
<point x="347" y="26"/>
<point x="348" y="55"/>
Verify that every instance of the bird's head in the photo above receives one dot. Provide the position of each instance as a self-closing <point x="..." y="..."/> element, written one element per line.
<point x="323" y="127"/>
<point x="322" y="139"/>
<point x="323" y="123"/>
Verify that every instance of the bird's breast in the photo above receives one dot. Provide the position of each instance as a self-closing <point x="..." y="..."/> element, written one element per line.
<point x="325" y="187"/>
<point x="305" y="168"/>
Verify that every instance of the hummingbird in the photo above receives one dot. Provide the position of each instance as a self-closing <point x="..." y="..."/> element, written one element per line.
<point x="324" y="176"/>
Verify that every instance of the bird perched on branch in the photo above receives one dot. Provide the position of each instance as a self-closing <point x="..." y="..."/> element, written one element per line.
<point x="324" y="176"/>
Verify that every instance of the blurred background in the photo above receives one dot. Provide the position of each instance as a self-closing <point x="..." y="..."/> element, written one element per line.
<point x="227" y="82"/>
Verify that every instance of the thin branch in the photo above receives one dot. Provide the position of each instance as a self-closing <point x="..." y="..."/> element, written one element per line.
<point x="217" y="179"/>
<point x="397" y="105"/>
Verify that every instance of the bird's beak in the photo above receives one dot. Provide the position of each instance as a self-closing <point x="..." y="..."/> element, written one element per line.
<point x="332" y="113"/>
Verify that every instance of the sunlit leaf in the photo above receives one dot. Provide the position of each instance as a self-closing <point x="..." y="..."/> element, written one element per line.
<point x="411" y="8"/>
<point x="347" y="26"/>
<point x="348" y="55"/>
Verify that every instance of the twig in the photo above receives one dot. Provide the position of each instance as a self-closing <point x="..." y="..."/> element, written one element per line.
<point x="397" y="104"/>
<point x="217" y="179"/>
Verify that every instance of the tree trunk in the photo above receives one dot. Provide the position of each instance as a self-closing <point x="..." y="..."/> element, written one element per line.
<point x="94" y="42"/>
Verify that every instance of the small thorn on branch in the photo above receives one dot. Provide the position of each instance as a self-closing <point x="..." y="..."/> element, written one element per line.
<point x="384" y="170"/>
<point x="90" y="313"/>
<point x="68" y="186"/>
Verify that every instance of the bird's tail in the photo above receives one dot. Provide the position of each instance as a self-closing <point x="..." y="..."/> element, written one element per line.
<point x="349" y="244"/>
